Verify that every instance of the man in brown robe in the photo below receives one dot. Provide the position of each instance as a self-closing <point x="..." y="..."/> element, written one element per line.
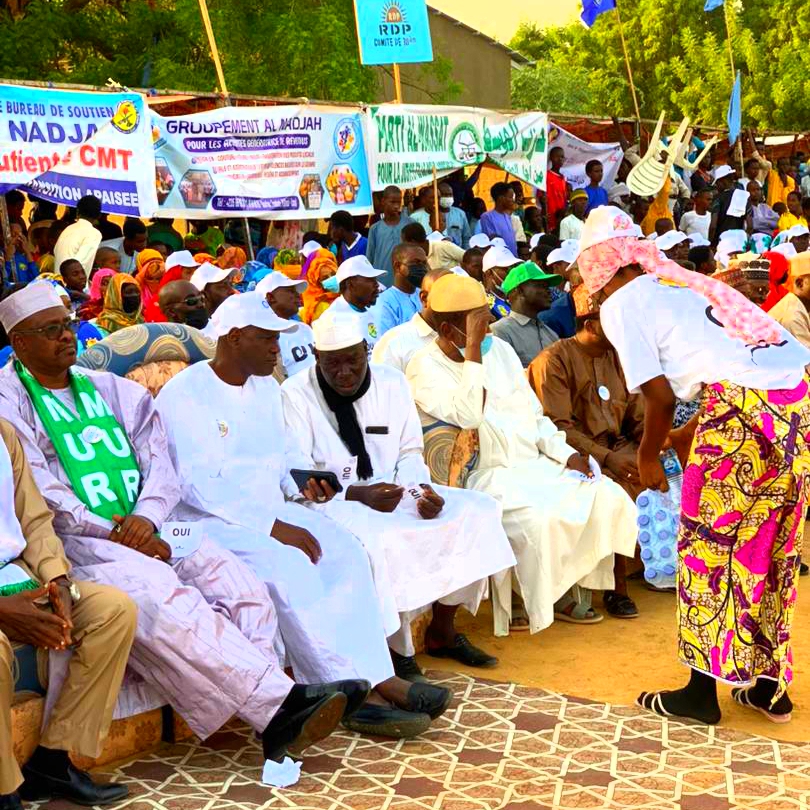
<point x="42" y="606"/>
<point x="580" y="384"/>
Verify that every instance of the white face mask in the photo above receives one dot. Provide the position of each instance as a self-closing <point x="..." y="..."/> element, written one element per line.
<point x="446" y="203"/>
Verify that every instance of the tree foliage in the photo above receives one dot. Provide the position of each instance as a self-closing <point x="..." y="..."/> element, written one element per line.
<point x="287" y="48"/>
<point x="680" y="62"/>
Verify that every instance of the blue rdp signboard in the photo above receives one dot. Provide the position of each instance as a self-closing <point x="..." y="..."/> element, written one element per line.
<point x="392" y="31"/>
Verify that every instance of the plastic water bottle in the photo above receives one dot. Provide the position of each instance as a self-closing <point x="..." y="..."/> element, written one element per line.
<point x="658" y="519"/>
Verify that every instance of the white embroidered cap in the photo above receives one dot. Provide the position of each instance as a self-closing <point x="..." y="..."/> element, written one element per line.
<point x="26" y="302"/>
<point x="248" y="309"/>
<point x="337" y="331"/>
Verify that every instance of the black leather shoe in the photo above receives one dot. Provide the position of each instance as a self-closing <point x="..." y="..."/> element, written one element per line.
<point x="465" y="652"/>
<point x="428" y="698"/>
<point x="619" y="605"/>
<point x="405" y="667"/>
<point x="10" y="801"/>
<point x="76" y="786"/>
<point x="356" y="691"/>
<point x="387" y="721"/>
<point x="303" y="720"/>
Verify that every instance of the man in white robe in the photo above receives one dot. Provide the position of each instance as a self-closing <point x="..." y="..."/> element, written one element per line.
<point x="227" y="438"/>
<point x="564" y="521"/>
<point x="397" y="346"/>
<point x="206" y="631"/>
<point x="429" y="546"/>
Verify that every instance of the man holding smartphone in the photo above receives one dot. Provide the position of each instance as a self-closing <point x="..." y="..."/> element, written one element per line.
<point x="234" y="459"/>
<point x="430" y="547"/>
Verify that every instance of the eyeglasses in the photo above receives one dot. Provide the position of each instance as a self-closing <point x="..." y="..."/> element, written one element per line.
<point x="53" y="331"/>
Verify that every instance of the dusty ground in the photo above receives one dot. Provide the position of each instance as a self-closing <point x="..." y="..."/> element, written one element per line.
<point x="615" y="660"/>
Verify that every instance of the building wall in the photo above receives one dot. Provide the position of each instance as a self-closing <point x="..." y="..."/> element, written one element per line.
<point x="480" y="65"/>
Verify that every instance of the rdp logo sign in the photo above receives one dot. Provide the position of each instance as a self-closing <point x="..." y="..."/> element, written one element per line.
<point x="393" y="21"/>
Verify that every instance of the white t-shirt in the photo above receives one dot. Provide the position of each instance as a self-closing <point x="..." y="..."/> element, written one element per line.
<point x="368" y="319"/>
<point x="297" y="349"/>
<point x="692" y="222"/>
<point x="662" y="330"/>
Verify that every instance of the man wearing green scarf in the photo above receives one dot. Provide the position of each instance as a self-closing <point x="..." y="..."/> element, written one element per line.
<point x="99" y="455"/>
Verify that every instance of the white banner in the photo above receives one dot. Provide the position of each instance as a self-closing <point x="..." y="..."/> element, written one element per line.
<point x="579" y="152"/>
<point x="63" y="145"/>
<point x="407" y="141"/>
<point x="286" y="162"/>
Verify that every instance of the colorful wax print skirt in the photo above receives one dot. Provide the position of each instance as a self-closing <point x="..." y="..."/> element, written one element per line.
<point x="744" y="494"/>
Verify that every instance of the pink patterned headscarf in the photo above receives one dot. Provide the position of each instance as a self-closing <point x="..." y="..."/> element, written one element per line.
<point x="741" y="318"/>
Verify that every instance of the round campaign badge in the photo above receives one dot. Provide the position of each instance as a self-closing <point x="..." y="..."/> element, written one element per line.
<point x="603" y="392"/>
<point x="92" y="434"/>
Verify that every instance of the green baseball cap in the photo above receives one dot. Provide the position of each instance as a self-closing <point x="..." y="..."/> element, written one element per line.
<point x="528" y="271"/>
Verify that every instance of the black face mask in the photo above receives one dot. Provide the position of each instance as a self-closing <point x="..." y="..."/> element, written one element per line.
<point x="416" y="274"/>
<point x="130" y="303"/>
<point x="198" y="318"/>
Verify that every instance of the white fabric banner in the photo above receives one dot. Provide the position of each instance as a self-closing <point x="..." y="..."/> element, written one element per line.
<point x="285" y="162"/>
<point x="407" y="141"/>
<point x="579" y="152"/>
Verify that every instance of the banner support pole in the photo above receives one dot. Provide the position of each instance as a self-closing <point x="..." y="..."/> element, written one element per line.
<point x="212" y="44"/>
<point x="626" y="62"/>
<point x="738" y="146"/>
<point x="397" y="82"/>
<point x="5" y="225"/>
<point x="436" y="219"/>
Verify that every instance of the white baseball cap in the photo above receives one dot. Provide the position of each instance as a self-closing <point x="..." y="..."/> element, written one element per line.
<point x="480" y="240"/>
<point x="668" y="240"/>
<point x="534" y="240"/>
<point x="337" y="331"/>
<point x="497" y="241"/>
<point x="499" y="257"/>
<point x="309" y="248"/>
<point x="786" y="249"/>
<point x="567" y="252"/>
<point x="603" y="223"/>
<point x="719" y="172"/>
<point x="357" y="266"/>
<point x="248" y="309"/>
<point x="209" y="273"/>
<point x="180" y="258"/>
<point x="272" y="281"/>
<point x="698" y="240"/>
<point x="436" y="236"/>
<point x="797" y="230"/>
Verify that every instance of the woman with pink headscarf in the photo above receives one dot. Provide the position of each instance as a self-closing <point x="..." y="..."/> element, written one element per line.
<point x="682" y="334"/>
<point x="95" y="303"/>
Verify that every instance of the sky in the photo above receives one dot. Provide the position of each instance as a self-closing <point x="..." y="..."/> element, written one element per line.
<point x="501" y="18"/>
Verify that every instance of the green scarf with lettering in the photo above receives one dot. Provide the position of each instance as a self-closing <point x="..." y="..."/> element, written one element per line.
<point x="91" y="445"/>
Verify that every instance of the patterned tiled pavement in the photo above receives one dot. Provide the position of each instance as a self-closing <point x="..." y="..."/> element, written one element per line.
<point x="499" y="747"/>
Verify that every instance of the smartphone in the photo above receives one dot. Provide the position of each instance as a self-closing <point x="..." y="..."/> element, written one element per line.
<point x="302" y="476"/>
